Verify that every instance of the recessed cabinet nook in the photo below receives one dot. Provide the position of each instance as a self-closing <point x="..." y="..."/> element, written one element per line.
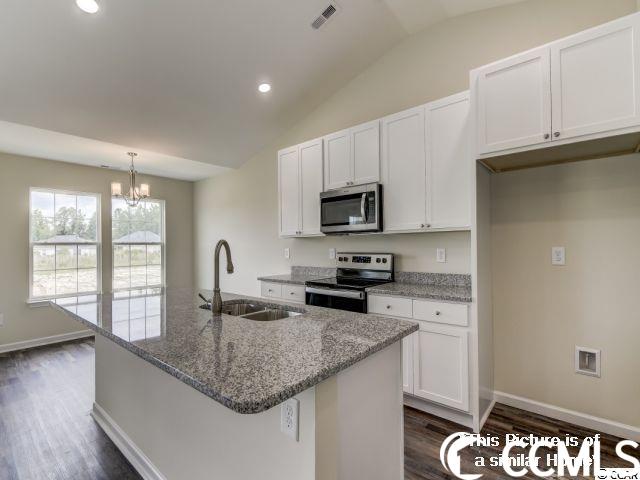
<point x="572" y="99"/>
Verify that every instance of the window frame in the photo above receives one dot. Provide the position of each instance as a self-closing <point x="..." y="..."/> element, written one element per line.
<point x="162" y="244"/>
<point x="98" y="244"/>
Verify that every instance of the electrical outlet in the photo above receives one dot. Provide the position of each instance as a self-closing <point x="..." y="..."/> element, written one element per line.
<point x="289" y="418"/>
<point x="1" y="319"/>
<point x="557" y="256"/>
<point x="441" y="255"/>
<point x="287" y="253"/>
<point x="332" y="253"/>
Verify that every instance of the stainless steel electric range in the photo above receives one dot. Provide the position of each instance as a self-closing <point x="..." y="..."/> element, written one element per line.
<point x="355" y="272"/>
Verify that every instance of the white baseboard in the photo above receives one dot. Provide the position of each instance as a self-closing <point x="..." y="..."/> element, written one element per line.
<point x="130" y="450"/>
<point x="578" y="418"/>
<point x="39" y="342"/>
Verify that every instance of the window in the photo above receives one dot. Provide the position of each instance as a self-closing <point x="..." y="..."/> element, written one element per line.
<point x="138" y="244"/>
<point x="64" y="244"/>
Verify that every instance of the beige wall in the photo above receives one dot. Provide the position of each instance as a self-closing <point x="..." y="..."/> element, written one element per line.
<point x="541" y="312"/>
<point x="17" y="175"/>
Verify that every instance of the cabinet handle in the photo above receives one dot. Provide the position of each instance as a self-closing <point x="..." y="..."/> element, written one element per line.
<point x="292" y="293"/>
<point x="428" y="225"/>
<point x="546" y="136"/>
<point x="438" y="312"/>
<point x="422" y="225"/>
<point x="270" y="291"/>
<point x="556" y="134"/>
<point x="388" y="307"/>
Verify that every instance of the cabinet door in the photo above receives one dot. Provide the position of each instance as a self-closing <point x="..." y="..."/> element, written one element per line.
<point x="404" y="170"/>
<point x="311" y="186"/>
<point x="289" y="191"/>
<point x="441" y="365"/>
<point x="449" y="162"/>
<point x="338" y="170"/>
<point x="514" y="102"/>
<point x="595" y="79"/>
<point x="407" y="363"/>
<point x="365" y="152"/>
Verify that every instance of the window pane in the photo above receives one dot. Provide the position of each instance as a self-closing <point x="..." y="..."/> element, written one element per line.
<point x="138" y="232"/>
<point x="86" y="220"/>
<point x="121" y="277"/>
<point x="87" y="256"/>
<point x="119" y="210"/>
<point x="138" y="255"/>
<point x="121" y="256"/>
<point x="87" y="280"/>
<point x="153" y="213"/>
<point x="66" y="257"/>
<point x="66" y="281"/>
<point x="138" y="276"/>
<point x="154" y="254"/>
<point x="42" y="228"/>
<point x="44" y="258"/>
<point x="42" y="202"/>
<point x="120" y="232"/>
<point x="154" y="275"/>
<point x="44" y="284"/>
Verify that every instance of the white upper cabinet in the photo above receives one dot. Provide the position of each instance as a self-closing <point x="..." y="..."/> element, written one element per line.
<point x="352" y="156"/>
<point x="311" y="186"/>
<point x="299" y="187"/>
<point x="338" y="167"/>
<point x="595" y="79"/>
<point x="514" y="102"/>
<point x="289" y="191"/>
<point x="404" y="170"/>
<point x="449" y="162"/>
<point x="365" y="152"/>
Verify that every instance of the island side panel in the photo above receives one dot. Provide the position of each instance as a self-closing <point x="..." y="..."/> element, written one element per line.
<point x="359" y="420"/>
<point x="185" y="434"/>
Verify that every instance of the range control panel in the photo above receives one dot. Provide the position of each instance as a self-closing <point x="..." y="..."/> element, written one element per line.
<point x="368" y="261"/>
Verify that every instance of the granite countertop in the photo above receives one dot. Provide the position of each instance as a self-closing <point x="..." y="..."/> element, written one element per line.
<point x="248" y="366"/>
<point x="447" y="293"/>
<point x="292" y="278"/>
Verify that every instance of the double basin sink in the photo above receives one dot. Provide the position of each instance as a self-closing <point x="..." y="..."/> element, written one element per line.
<point x="253" y="311"/>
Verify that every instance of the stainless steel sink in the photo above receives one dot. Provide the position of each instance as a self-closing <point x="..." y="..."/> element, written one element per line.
<point x="238" y="309"/>
<point x="270" y="315"/>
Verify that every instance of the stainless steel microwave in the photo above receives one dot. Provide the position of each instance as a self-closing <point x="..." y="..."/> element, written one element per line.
<point x="352" y="210"/>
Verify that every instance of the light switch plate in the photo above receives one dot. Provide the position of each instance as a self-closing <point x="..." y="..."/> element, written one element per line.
<point x="441" y="255"/>
<point x="557" y="256"/>
<point x="332" y="253"/>
<point x="289" y="412"/>
<point x="287" y="253"/>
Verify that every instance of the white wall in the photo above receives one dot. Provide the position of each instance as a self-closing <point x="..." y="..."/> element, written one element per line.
<point x="17" y="175"/>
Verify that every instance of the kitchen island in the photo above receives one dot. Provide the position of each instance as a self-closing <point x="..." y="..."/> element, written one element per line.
<point x="187" y="395"/>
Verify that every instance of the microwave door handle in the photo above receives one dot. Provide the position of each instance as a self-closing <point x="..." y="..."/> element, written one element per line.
<point x="363" y="204"/>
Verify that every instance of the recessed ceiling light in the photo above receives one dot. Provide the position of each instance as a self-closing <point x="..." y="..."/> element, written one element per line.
<point x="89" y="6"/>
<point x="264" y="87"/>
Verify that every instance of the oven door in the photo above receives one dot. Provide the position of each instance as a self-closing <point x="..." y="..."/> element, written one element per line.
<point x="354" y="209"/>
<point x="350" y="300"/>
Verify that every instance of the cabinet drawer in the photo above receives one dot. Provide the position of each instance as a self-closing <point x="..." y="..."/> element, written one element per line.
<point x="271" y="290"/>
<point x="447" y="313"/>
<point x="295" y="293"/>
<point x="397" y="307"/>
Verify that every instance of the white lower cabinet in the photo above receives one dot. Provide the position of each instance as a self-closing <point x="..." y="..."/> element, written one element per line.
<point x="435" y="359"/>
<point x="288" y="292"/>
<point x="441" y="365"/>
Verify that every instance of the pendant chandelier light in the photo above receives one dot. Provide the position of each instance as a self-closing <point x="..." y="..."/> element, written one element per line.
<point x="135" y="194"/>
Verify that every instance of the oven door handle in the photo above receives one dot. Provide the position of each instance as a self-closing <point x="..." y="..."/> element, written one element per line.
<point x="336" y="293"/>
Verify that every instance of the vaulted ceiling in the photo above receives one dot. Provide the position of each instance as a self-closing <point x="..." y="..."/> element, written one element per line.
<point x="179" y="78"/>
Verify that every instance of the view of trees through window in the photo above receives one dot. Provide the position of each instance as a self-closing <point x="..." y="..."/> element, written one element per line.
<point x="64" y="243"/>
<point x="137" y="235"/>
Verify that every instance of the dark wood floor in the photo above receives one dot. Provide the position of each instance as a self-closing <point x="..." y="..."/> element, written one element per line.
<point x="46" y="431"/>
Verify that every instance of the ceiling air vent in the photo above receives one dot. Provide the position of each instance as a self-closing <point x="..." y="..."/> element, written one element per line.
<point x="326" y="14"/>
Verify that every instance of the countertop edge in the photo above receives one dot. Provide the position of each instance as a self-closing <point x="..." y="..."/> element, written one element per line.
<point x="240" y="407"/>
<point x="426" y="296"/>
<point x="280" y="280"/>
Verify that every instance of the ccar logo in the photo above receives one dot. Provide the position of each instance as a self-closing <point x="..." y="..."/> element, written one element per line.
<point x="450" y="453"/>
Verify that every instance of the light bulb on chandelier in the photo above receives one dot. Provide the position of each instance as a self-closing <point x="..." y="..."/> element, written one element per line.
<point x="135" y="193"/>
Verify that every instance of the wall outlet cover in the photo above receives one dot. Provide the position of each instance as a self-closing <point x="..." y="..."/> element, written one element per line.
<point x="441" y="255"/>
<point x="289" y="412"/>
<point x="287" y="253"/>
<point x="332" y="253"/>
<point x="557" y="256"/>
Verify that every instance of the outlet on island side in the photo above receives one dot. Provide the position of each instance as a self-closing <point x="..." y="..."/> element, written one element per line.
<point x="332" y="253"/>
<point x="441" y="255"/>
<point x="289" y="411"/>
<point x="287" y="253"/>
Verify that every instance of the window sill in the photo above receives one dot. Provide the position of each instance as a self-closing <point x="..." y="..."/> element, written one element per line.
<point x="37" y="303"/>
